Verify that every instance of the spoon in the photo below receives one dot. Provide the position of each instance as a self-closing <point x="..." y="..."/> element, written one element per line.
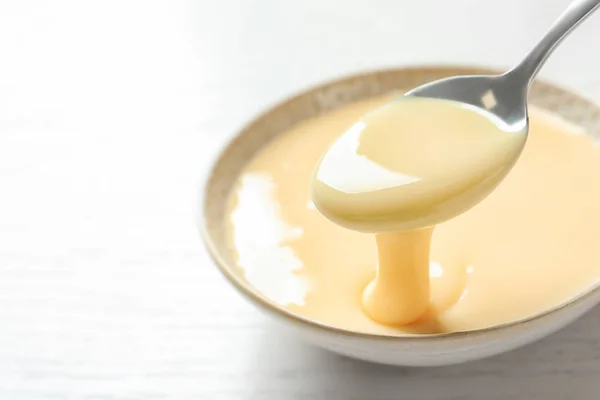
<point x="505" y="96"/>
<point x="379" y="176"/>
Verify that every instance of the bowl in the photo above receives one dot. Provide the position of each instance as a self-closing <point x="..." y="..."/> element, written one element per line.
<point x="407" y="350"/>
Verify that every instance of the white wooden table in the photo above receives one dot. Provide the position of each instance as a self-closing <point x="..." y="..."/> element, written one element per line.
<point x="109" y="112"/>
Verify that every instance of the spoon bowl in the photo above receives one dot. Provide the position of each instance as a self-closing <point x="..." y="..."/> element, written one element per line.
<point x="440" y="158"/>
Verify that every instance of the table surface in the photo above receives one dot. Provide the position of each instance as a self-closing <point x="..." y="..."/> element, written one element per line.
<point x="109" y="113"/>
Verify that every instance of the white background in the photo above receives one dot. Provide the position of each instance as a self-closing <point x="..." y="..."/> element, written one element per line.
<point x="109" y="111"/>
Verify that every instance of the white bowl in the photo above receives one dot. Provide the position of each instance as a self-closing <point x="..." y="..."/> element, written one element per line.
<point x="409" y="350"/>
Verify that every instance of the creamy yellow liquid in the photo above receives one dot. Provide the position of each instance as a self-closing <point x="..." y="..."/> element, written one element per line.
<point x="529" y="246"/>
<point x="408" y="165"/>
<point x="399" y="293"/>
<point x="412" y="163"/>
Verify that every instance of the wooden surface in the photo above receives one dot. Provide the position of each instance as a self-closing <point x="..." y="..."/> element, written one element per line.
<point x="109" y="113"/>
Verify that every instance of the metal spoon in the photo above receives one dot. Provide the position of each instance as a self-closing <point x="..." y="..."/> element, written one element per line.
<point x="505" y="96"/>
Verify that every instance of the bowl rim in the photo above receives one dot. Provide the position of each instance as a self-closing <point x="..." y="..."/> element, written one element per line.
<point x="294" y="318"/>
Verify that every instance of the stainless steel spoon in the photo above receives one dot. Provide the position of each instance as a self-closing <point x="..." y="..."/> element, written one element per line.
<point x="505" y="96"/>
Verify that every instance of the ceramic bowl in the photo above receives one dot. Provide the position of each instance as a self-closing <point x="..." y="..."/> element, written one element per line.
<point x="409" y="350"/>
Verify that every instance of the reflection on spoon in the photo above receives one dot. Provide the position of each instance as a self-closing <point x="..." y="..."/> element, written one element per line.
<point x="363" y="174"/>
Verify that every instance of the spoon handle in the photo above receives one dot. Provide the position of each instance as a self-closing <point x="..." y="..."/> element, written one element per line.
<point x="576" y="13"/>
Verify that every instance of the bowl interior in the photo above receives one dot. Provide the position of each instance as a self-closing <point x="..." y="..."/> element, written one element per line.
<point x="569" y="106"/>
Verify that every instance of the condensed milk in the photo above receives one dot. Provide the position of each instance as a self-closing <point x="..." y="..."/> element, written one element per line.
<point x="405" y="167"/>
<point x="413" y="163"/>
<point x="527" y="247"/>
